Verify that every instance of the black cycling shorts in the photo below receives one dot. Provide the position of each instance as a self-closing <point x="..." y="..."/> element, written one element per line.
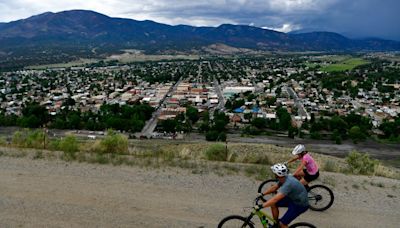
<point x="309" y="177"/>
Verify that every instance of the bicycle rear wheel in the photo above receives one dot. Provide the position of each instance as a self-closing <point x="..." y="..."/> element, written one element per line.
<point x="302" y="224"/>
<point x="320" y="197"/>
<point x="235" y="221"/>
<point x="266" y="185"/>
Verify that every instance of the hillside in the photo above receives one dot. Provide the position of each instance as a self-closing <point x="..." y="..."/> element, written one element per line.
<point x="39" y="193"/>
<point x="55" y="37"/>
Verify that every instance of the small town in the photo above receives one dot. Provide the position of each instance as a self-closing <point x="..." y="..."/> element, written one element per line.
<point x="248" y="91"/>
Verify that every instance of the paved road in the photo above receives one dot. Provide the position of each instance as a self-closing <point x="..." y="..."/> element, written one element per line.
<point x="389" y="153"/>
<point x="152" y="123"/>
<point x="221" y="99"/>
<point x="298" y="103"/>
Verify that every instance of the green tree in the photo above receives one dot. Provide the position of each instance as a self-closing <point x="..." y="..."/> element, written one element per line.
<point x="391" y="129"/>
<point x="285" y="120"/>
<point x="248" y="116"/>
<point x="219" y="125"/>
<point x="212" y="135"/>
<point x="259" y="123"/>
<point x="356" y="134"/>
<point x="74" y="120"/>
<point x="339" y="125"/>
<point x="169" y="125"/>
<point x="30" y="121"/>
<point x="58" y="123"/>
<point x="40" y="113"/>
<point x="336" y="137"/>
<point x="271" y="101"/>
<point x="228" y="104"/>
<point x="192" y="114"/>
<point x="315" y="135"/>
<point x="292" y="131"/>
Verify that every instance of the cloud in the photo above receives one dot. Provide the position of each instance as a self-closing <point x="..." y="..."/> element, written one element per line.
<point x="357" y="18"/>
<point x="284" y="28"/>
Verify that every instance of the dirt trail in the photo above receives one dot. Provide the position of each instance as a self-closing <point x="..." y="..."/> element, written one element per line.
<point x="39" y="193"/>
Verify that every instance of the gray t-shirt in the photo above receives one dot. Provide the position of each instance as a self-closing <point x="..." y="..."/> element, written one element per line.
<point x="293" y="189"/>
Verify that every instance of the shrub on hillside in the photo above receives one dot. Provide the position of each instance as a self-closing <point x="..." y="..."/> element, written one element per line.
<point x="114" y="143"/>
<point x="217" y="152"/>
<point x="36" y="139"/>
<point x="3" y="141"/>
<point x="256" y="159"/>
<point x="69" y="145"/>
<point x="30" y="139"/>
<point x="18" y="139"/>
<point x="330" y="166"/>
<point x="361" y="163"/>
<point x="54" y="144"/>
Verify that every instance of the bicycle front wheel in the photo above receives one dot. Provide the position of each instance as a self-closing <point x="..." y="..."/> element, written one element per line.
<point x="302" y="224"/>
<point x="320" y="197"/>
<point x="266" y="185"/>
<point x="235" y="221"/>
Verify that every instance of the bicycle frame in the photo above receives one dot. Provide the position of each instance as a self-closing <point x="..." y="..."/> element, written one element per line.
<point x="263" y="216"/>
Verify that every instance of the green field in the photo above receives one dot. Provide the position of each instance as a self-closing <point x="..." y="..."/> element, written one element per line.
<point x="127" y="57"/>
<point x="130" y="56"/>
<point x="76" y="63"/>
<point x="346" y="64"/>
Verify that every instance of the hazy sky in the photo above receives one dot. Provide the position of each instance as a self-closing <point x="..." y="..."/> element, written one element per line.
<point x="355" y="18"/>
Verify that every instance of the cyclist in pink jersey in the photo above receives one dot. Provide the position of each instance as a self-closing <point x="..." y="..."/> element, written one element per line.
<point x="308" y="168"/>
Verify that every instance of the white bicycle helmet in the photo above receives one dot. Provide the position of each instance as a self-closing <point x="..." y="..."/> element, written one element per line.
<point x="298" y="149"/>
<point x="280" y="169"/>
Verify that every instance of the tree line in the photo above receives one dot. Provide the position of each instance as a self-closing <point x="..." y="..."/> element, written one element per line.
<point x="129" y="118"/>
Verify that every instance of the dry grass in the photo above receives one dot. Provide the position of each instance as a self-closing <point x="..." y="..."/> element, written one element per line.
<point x="248" y="159"/>
<point x="384" y="171"/>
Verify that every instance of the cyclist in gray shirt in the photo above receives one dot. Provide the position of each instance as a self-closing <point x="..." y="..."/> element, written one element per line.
<point x="291" y="194"/>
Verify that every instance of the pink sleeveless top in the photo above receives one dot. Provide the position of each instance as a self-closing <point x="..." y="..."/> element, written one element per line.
<point x="310" y="164"/>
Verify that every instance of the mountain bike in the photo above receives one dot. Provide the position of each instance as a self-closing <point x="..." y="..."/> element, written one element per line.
<point x="320" y="197"/>
<point x="236" y="221"/>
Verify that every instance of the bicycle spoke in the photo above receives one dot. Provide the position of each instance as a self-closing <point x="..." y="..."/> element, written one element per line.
<point x="319" y="198"/>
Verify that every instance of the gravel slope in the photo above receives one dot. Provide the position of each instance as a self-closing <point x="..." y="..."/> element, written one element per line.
<point x="40" y="193"/>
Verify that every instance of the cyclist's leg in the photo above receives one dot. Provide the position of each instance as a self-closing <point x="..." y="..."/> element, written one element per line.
<point x="275" y="212"/>
<point x="300" y="174"/>
<point x="293" y="212"/>
<point x="308" y="178"/>
<point x="303" y="181"/>
<point x="275" y="208"/>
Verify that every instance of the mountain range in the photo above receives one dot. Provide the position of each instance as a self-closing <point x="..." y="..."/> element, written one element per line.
<point x="81" y="32"/>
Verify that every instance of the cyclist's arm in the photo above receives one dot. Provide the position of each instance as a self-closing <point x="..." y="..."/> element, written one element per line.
<point x="293" y="159"/>
<point x="274" y="200"/>
<point x="299" y="169"/>
<point x="272" y="189"/>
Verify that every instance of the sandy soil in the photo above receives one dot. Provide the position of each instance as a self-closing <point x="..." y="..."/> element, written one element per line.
<point x="40" y="193"/>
